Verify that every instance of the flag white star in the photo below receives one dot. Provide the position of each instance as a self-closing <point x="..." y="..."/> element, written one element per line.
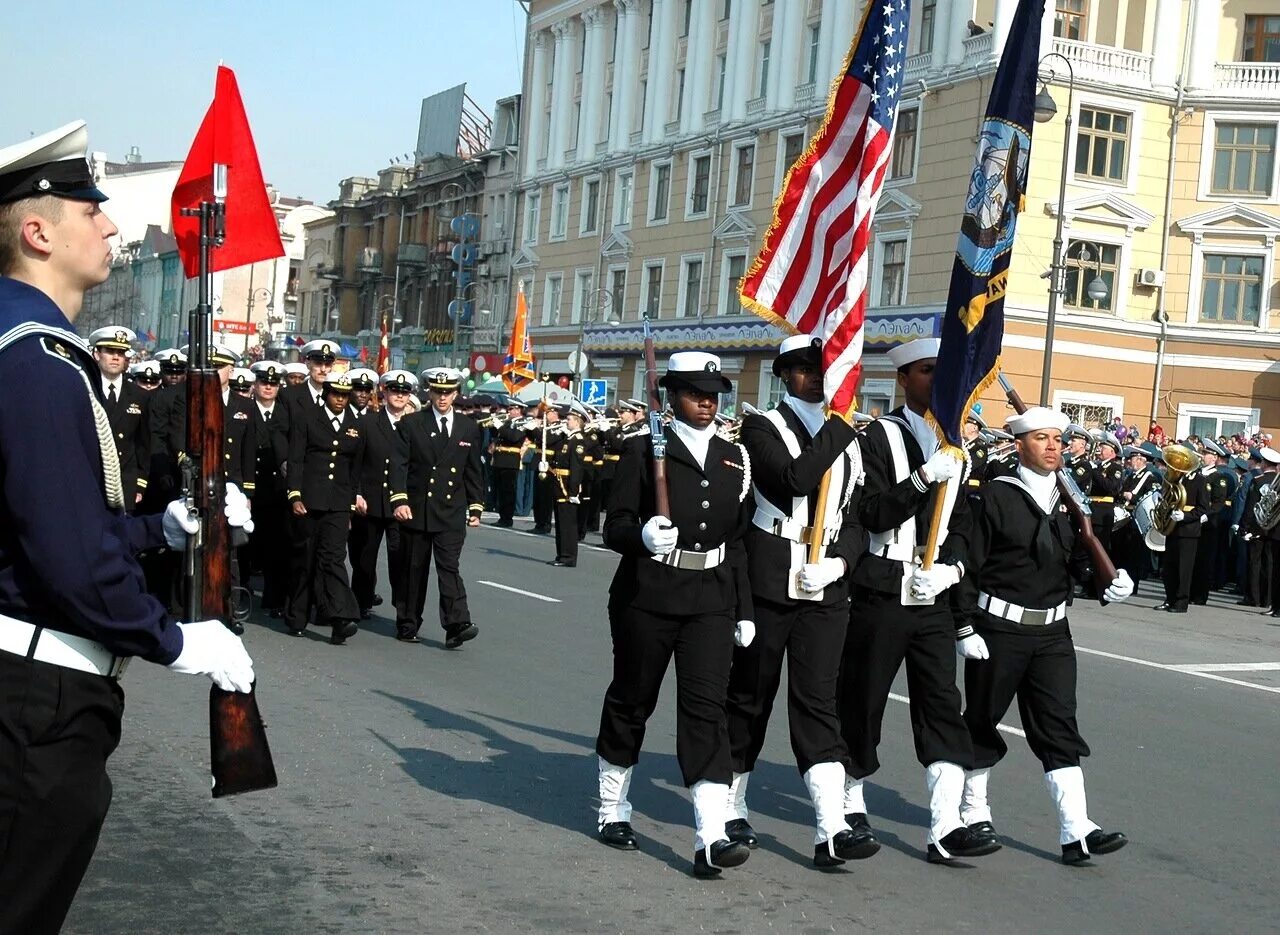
<point x="866" y="69"/>
<point x="901" y="46"/>
<point x="889" y="29"/>
<point x="875" y="97"/>
<point x="892" y="89"/>
<point x="888" y="9"/>
<point x="890" y="51"/>
<point x="891" y="70"/>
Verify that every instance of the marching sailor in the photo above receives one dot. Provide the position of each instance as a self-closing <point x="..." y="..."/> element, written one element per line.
<point x="801" y="608"/>
<point x="1023" y="554"/>
<point x="1264" y="555"/>
<point x="126" y="408"/>
<point x="509" y="442"/>
<point x="269" y="544"/>
<point x="900" y="611"/>
<point x="680" y="588"/>
<point x="1206" y="575"/>
<point x="975" y="446"/>
<point x="568" y="474"/>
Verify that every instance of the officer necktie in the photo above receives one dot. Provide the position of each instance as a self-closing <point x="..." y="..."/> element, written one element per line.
<point x="111" y="394"/>
<point x="444" y="426"/>
<point x="267" y="415"/>
<point x="337" y="423"/>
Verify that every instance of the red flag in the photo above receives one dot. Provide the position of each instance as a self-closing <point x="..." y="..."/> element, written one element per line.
<point x="224" y="138"/>
<point x="384" y="349"/>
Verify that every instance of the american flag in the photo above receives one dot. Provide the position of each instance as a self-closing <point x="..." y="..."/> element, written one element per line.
<point x="811" y="274"/>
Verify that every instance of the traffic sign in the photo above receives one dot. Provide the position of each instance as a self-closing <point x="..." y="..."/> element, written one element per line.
<point x="595" y="392"/>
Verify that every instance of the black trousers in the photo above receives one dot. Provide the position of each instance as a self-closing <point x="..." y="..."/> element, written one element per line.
<point x="504" y="482"/>
<point x="567" y="531"/>
<point x="1131" y="552"/>
<point x="643" y="644"/>
<point x="367" y="533"/>
<point x="1040" y="669"/>
<point x="57" y="729"/>
<point x="1204" y="574"/>
<point x="318" y="580"/>
<point x="882" y="634"/>
<point x="1258" y="570"/>
<point x="269" y="549"/>
<point x="417" y="548"/>
<point x="811" y="636"/>
<point x="589" y="512"/>
<point x="543" y="501"/>
<point x="1177" y="567"/>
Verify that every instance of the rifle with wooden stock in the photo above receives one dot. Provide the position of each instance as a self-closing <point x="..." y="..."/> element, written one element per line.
<point x="657" y="433"/>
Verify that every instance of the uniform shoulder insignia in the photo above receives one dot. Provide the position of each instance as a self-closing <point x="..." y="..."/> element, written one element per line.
<point x="353" y="433"/>
<point x="1222" y="483"/>
<point x="240" y="415"/>
<point x="578" y="450"/>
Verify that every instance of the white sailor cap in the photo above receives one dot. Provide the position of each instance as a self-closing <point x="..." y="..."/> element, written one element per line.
<point x="1036" y="418"/>
<point x="696" y="369"/>
<point x="219" y="355"/>
<point x="171" y="359"/>
<point x="797" y="349"/>
<point x="145" y="369"/>
<point x="242" y="378"/>
<point x="321" y="349"/>
<point x="297" y="368"/>
<point x="399" y="381"/>
<point x="442" y="379"/>
<point x="362" y="378"/>
<point x="576" y="408"/>
<point x="113" y="338"/>
<point x="909" y="353"/>
<point x="54" y="163"/>
<point x="1270" y="455"/>
<point x="267" y="371"/>
<point x="337" y="382"/>
<point x="627" y="405"/>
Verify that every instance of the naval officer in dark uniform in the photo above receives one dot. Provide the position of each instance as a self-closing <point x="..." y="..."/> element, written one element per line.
<point x="73" y="608"/>
<point x="680" y="590"/>
<point x="269" y="544"/>
<point x="126" y="408"/>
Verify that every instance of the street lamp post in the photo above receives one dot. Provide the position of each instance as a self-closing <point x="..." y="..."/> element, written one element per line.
<point x="1045" y="109"/>
<point x="596" y="306"/>
<point x="261" y="292"/>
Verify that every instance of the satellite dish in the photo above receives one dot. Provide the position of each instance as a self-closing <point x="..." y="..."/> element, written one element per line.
<point x="578" y="362"/>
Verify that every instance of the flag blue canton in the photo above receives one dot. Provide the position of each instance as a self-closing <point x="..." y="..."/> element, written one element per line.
<point x="880" y="59"/>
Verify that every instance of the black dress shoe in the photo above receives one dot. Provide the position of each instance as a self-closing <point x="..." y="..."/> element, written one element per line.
<point x="861" y="842"/>
<point x="1098" y="841"/>
<point x="986" y="829"/>
<point x="236" y="627"/>
<point x="365" y="613"/>
<point x="507" y="525"/>
<point x="1177" y="610"/>
<point x="341" y="630"/>
<point x="377" y="600"/>
<point x="455" y="636"/>
<point x="275" y="613"/>
<point x="407" y="638"/>
<point x="1163" y="605"/>
<point x="619" y="834"/>
<point x="963" y="842"/>
<point x="740" y="830"/>
<point x="722" y="854"/>
<point x="293" y="632"/>
<point x="559" y="564"/>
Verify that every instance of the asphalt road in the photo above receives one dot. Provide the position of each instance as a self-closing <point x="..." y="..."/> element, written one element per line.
<point x="425" y="790"/>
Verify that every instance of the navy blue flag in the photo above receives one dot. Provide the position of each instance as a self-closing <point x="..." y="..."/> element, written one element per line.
<point x="973" y="321"/>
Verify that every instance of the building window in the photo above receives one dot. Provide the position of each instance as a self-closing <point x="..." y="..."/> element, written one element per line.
<point x="765" y="48"/>
<point x="893" y="272"/>
<point x="622" y="198"/>
<point x="551" y="299"/>
<point x="618" y="292"/>
<point x="660" y="186"/>
<point x="1082" y="267"/>
<point x="1244" y="157"/>
<point x="688" y="17"/>
<point x="727" y="9"/>
<point x="792" y="149"/>
<point x="732" y="269"/>
<point x="1209" y="421"/>
<point x="590" y="206"/>
<point x="582" y="295"/>
<point x="700" y="185"/>
<point x="559" y="212"/>
<point x="532" y="208"/>
<point x="1069" y="19"/>
<point x="1231" y="290"/>
<point x="690" y="288"/>
<point x="1261" y="39"/>
<point x="1102" y="145"/>
<point x="722" y="65"/>
<point x="577" y="125"/>
<point x="928" y="16"/>
<point x="653" y="290"/>
<point x="743" y="169"/>
<point x="680" y="94"/>
<point x="815" y="34"/>
<point x="903" y="165"/>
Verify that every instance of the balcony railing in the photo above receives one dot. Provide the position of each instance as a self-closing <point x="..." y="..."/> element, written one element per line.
<point x="755" y="107"/>
<point x="917" y="65"/>
<point x="804" y="93"/>
<point x="1248" y="79"/>
<point x="1105" y="64"/>
<point x="979" y="48"/>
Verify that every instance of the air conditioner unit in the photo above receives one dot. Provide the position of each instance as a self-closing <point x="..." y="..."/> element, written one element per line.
<point x="1151" y="277"/>
<point x="482" y="269"/>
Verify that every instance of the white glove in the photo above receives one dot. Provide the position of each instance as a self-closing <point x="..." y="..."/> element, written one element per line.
<point x="1235" y="527"/>
<point x="575" y="500"/>
<point x="744" y="633"/>
<point x="928" y="583"/>
<point x="543" y="467"/>
<point x="814" y="576"/>
<point x="973" y="647"/>
<point x="1204" y="518"/>
<point x="209" y="648"/>
<point x="941" y="467"/>
<point x="1120" y="589"/>
<point x="1177" y="516"/>
<point x="178" y="524"/>
<point x="659" y="536"/>
<point x="239" y="513"/>
<point x="1247" y="537"/>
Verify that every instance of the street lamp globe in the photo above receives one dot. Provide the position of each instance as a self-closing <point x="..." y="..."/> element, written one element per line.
<point x="1097" y="289"/>
<point x="1045" y="108"/>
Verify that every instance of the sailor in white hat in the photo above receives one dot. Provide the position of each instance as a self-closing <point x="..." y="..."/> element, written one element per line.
<point x="1023" y="555"/>
<point x="318" y="356"/>
<point x="125" y="403"/>
<point x="363" y="382"/>
<point x="1261" y="590"/>
<point x="295" y="374"/>
<point x="173" y="365"/>
<point x="901" y="612"/>
<point x="269" y="546"/>
<point x="146" y="374"/>
<point x="75" y="609"/>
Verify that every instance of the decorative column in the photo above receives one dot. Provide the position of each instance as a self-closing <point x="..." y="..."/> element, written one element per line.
<point x="535" y="118"/>
<point x="840" y="38"/>
<point x="592" y="82"/>
<point x="625" y="65"/>
<point x="786" y="56"/>
<point x="699" y="64"/>
<point x="662" y="52"/>
<point x="950" y="41"/>
<point x="1204" y="45"/>
<point x="1002" y="20"/>
<point x="561" y="94"/>
<point x="1046" y="28"/>
<point x="1164" y="44"/>
<point x="743" y="20"/>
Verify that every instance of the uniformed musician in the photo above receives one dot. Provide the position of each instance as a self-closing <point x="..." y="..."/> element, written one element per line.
<point x="326" y="443"/>
<point x="126" y="408"/>
<point x="544" y="484"/>
<point x="1022" y="556"/>
<point x="589" y="493"/>
<point x="1178" y="562"/>
<point x="1131" y="550"/>
<point x="611" y="441"/>
<point x="680" y="589"/>
<point x="801" y="608"/>
<point x="568" y="473"/>
<point x="1207" y="576"/>
<point x="1263" y="555"/>
<point x="1106" y="483"/>
<point x="509" y="443"/>
<point x="436" y="488"/>
<point x="901" y="611"/>
<point x="269" y="545"/>
<point x="72" y="607"/>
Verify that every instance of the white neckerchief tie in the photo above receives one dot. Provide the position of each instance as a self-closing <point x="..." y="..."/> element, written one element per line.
<point x="811" y="415"/>
<point x="1041" y="486"/>
<point x="925" y="436"/>
<point x="696" y="440"/>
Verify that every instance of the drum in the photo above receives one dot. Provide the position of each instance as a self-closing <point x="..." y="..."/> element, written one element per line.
<point x="1144" y="520"/>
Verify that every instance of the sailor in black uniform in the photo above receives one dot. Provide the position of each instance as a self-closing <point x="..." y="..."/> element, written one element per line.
<point x="680" y="589"/>
<point x="508" y="448"/>
<point x="801" y="608"/>
<point x="126" y="408"/>
<point x="1177" y="565"/>
<point x="1023" y="554"/>
<point x="269" y="545"/>
<point x="568" y="473"/>
<point x="975" y="446"/>
<point x="1263" y="586"/>
<point x="901" y="612"/>
<point x="1131" y="551"/>
<point x="1213" y="536"/>
<point x="1106" y="483"/>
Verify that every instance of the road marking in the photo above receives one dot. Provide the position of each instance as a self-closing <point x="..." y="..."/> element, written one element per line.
<point x="536" y="597"/>
<point x="549" y="538"/>
<point x="1004" y="727"/>
<point x="1229" y="667"/>
<point x="1274" y="690"/>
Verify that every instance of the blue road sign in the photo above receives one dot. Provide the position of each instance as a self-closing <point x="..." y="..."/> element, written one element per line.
<point x="595" y="392"/>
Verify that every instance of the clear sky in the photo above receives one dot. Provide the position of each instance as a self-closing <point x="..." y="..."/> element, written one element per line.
<point x="332" y="89"/>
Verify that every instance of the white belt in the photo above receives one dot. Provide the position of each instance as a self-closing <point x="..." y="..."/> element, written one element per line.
<point x="692" y="561"/>
<point x="59" y="649"/>
<point x="1026" y="616"/>
<point x="895" y="551"/>
<point x="792" y="529"/>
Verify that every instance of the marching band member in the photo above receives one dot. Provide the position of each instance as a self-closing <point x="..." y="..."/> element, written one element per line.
<point x="1131" y="551"/>
<point x="1261" y="542"/>
<point x="508" y="448"/>
<point x="680" y="589"/>
<point x="568" y="473"/>
<point x="801" y="608"/>
<point x="1022" y="556"/>
<point x="1213" y="546"/>
<point x="897" y="614"/>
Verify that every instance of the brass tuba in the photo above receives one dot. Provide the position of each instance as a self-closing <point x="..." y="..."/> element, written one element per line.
<point x="1181" y="461"/>
<point x="1267" y="510"/>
